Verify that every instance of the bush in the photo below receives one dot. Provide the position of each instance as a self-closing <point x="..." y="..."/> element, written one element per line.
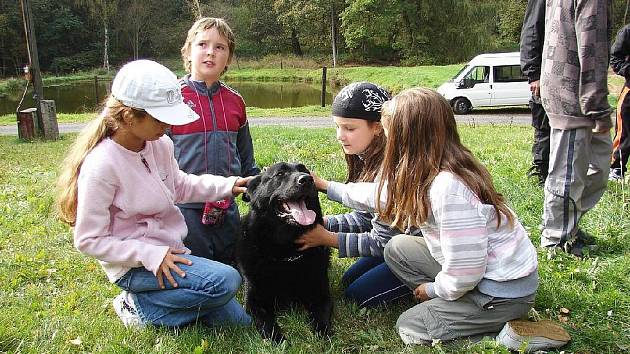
<point x="73" y="63"/>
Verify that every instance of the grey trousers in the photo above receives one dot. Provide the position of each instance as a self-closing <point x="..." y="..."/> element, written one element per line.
<point x="473" y="314"/>
<point x="578" y="174"/>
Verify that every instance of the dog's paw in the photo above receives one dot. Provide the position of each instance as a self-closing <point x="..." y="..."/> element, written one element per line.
<point x="324" y="330"/>
<point x="277" y="337"/>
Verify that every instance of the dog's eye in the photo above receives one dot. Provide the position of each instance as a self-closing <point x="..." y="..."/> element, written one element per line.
<point x="279" y="174"/>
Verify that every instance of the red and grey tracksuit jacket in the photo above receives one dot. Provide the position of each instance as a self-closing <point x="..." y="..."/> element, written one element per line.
<point x="219" y="142"/>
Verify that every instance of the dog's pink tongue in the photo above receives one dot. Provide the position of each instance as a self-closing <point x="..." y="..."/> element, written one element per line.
<point x="301" y="213"/>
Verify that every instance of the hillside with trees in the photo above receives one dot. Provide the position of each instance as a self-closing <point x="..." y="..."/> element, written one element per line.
<point x="83" y="34"/>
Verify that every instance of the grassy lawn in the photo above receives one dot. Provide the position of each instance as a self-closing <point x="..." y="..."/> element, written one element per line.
<point x="54" y="299"/>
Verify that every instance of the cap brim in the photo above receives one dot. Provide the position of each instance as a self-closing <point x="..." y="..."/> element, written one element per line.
<point x="178" y="114"/>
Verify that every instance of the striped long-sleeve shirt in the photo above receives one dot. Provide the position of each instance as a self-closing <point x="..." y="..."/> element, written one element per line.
<point x="462" y="236"/>
<point x="360" y="234"/>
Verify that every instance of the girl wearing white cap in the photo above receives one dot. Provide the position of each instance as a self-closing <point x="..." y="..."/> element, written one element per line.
<point x="118" y="188"/>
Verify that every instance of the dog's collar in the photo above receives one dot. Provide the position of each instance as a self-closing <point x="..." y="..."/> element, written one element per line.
<point x="292" y="258"/>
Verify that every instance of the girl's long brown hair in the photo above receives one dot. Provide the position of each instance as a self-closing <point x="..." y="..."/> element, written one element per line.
<point x="367" y="167"/>
<point x="101" y="127"/>
<point x="422" y="141"/>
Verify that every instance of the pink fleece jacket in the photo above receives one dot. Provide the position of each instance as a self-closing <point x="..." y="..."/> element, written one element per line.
<point x="126" y="213"/>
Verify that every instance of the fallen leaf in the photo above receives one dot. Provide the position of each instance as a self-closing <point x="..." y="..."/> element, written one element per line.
<point x="76" y="341"/>
<point x="565" y="310"/>
<point x="563" y="319"/>
<point x="610" y="313"/>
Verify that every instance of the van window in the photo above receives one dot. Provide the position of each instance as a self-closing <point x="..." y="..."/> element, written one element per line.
<point x="508" y="73"/>
<point x="478" y="74"/>
<point x="461" y="71"/>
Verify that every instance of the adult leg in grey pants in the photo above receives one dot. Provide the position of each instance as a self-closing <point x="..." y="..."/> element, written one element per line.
<point x="475" y="313"/>
<point x="578" y="174"/>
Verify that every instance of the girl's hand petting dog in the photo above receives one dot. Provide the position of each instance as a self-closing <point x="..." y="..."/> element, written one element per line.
<point x="240" y="186"/>
<point x="317" y="236"/>
<point x="169" y="264"/>
<point x="320" y="183"/>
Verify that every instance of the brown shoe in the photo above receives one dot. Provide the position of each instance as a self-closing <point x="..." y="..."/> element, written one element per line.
<point x="532" y="336"/>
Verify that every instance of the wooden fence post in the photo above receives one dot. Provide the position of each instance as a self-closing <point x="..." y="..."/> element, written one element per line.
<point x="324" y="86"/>
<point x="96" y="90"/>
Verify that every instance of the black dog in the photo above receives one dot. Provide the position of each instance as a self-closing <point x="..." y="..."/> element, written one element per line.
<point x="283" y="205"/>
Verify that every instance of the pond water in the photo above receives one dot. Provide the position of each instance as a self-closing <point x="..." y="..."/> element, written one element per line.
<point x="81" y="96"/>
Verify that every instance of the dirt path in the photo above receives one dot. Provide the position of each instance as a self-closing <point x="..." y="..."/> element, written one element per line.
<point x="511" y="116"/>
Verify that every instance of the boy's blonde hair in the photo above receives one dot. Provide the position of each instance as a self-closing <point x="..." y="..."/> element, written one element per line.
<point x="101" y="127"/>
<point x="206" y="23"/>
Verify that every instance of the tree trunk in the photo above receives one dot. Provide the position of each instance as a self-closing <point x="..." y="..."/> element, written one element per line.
<point x="333" y="34"/>
<point x="625" y="15"/>
<point x="136" y="44"/>
<point x="196" y="8"/>
<point x="106" y="47"/>
<point x="295" y="43"/>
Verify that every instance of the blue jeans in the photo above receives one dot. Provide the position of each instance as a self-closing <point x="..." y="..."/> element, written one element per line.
<point x="206" y="294"/>
<point x="370" y="282"/>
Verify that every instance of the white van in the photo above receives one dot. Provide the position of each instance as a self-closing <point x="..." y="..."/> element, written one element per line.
<point x="488" y="80"/>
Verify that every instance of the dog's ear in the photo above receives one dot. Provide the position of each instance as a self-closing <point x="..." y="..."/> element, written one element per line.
<point x="251" y="187"/>
<point x="300" y="167"/>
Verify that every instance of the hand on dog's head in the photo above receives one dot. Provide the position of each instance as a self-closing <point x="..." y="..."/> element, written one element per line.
<point x="284" y="187"/>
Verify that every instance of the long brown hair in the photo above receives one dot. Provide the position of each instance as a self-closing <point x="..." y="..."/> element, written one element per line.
<point x="366" y="167"/>
<point x="422" y="141"/>
<point x="99" y="128"/>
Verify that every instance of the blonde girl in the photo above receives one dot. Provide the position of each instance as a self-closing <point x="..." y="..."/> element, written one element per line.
<point x="118" y="189"/>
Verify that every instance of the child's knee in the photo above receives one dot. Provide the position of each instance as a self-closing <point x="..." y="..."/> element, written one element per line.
<point x="231" y="280"/>
<point x="215" y="277"/>
<point x="393" y="249"/>
<point x="411" y="327"/>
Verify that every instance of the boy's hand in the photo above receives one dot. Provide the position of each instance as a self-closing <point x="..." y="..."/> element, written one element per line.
<point x="169" y="264"/>
<point x="320" y="183"/>
<point x="240" y="186"/>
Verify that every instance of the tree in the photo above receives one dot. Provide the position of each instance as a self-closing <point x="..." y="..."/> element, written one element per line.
<point x="137" y="23"/>
<point x="12" y="48"/>
<point x="510" y="21"/>
<point x="103" y="10"/>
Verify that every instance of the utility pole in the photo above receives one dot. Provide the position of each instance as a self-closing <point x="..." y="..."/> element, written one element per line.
<point x="46" y="116"/>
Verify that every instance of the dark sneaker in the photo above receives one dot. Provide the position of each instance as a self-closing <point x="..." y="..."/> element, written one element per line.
<point x="587" y="238"/>
<point x="532" y="336"/>
<point x="577" y="246"/>
<point x="615" y="175"/>
<point x="537" y="172"/>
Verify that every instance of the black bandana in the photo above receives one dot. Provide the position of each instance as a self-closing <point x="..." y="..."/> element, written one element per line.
<point x="361" y="100"/>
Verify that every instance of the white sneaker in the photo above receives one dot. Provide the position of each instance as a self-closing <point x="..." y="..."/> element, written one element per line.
<point x="531" y="336"/>
<point x="126" y="310"/>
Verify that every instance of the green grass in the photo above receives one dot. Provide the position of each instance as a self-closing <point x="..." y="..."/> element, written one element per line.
<point x="51" y="295"/>
<point x="391" y="77"/>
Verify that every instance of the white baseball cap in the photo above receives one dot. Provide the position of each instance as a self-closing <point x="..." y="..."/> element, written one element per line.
<point x="152" y="87"/>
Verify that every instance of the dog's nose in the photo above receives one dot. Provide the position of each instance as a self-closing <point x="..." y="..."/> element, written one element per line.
<point x="303" y="179"/>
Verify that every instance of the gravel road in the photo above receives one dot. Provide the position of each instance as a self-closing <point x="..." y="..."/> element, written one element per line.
<point x="517" y="116"/>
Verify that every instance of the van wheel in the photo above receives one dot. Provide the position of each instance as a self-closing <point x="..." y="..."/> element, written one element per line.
<point x="461" y="106"/>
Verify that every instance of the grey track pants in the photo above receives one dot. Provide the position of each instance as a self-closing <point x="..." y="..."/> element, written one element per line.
<point x="578" y="173"/>
<point x="473" y="314"/>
